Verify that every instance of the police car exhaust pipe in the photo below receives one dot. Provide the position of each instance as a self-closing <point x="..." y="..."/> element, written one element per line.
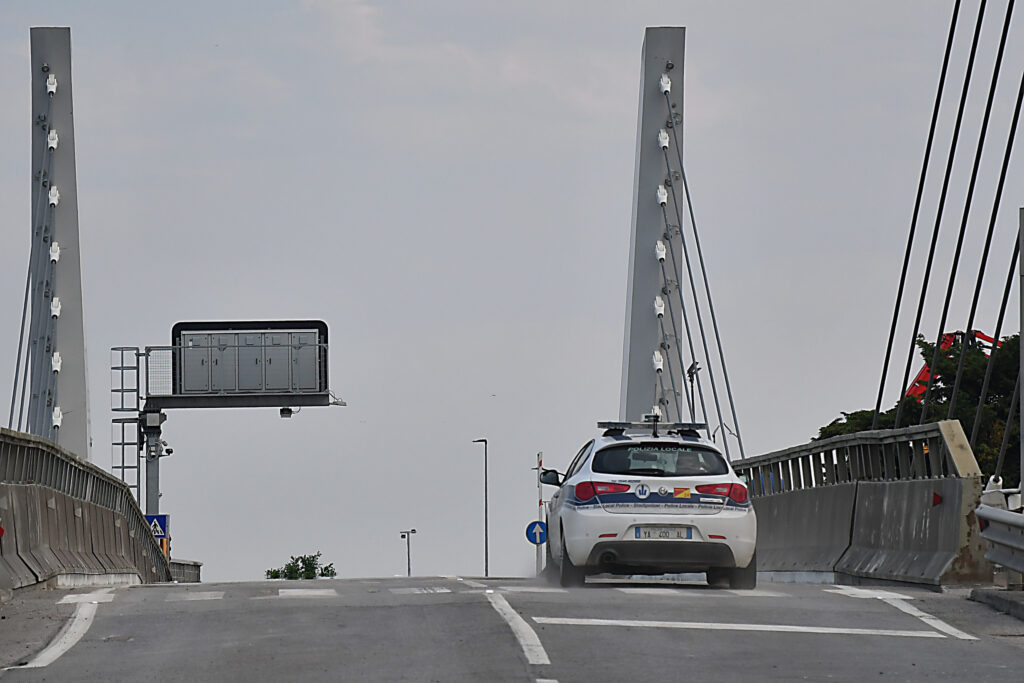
<point x="608" y="557"/>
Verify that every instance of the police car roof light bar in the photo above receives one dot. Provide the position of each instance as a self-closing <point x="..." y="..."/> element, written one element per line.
<point x="646" y="426"/>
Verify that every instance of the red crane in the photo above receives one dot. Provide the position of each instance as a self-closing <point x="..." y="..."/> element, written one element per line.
<point x="920" y="383"/>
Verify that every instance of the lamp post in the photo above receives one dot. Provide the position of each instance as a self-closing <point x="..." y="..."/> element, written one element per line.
<point x="486" y="542"/>
<point x="407" y="535"/>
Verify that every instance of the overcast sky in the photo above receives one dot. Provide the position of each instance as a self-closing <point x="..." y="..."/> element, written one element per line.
<point x="449" y="184"/>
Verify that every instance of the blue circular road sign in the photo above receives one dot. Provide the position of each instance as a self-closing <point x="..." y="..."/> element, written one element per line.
<point x="537" y="533"/>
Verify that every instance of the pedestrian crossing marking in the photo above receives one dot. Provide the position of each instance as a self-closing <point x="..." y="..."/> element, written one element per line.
<point x="419" y="591"/>
<point x="195" y="595"/>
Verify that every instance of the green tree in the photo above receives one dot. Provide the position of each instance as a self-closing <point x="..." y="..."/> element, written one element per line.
<point x="994" y="412"/>
<point x="303" y="567"/>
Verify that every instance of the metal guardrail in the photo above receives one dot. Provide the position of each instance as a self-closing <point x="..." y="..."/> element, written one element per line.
<point x="926" y="451"/>
<point x="1004" y="530"/>
<point x="28" y="459"/>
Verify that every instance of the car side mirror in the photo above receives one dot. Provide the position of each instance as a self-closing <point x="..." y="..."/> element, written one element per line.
<point x="550" y="477"/>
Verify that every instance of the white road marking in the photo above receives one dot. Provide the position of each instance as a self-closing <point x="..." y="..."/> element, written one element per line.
<point x="712" y="626"/>
<point x="527" y="637"/>
<point x="700" y="592"/>
<point x="474" y="584"/>
<point x="72" y="631"/>
<point x="937" y="624"/>
<point x="419" y="591"/>
<point x="653" y="591"/>
<point x="195" y="595"/>
<point x="899" y="601"/>
<point x="79" y="598"/>
<point x="547" y="680"/>
<point x="757" y="593"/>
<point x="532" y="589"/>
<point x="307" y="593"/>
<point x="866" y="593"/>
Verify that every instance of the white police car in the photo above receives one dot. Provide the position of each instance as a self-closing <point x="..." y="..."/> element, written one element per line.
<point x="636" y="501"/>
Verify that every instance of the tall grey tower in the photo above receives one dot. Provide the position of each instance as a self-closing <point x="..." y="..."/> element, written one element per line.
<point x="50" y="396"/>
<point x="649" y="332"/>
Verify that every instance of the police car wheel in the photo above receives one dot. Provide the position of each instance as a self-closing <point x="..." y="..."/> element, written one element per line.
<point x="569" y="574"/>
<point x="718" y="576"/>
<point x="744" y="578"/>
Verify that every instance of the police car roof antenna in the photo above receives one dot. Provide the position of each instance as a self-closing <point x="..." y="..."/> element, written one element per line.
<point x="653" y="419"/>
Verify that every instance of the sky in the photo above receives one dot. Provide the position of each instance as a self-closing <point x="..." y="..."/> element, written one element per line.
<point x="449" y="186"/>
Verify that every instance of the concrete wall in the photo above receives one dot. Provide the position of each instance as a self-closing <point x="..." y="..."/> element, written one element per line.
<point x="893" y="505"/>
<point x="185" y="571"/>
<point x="65" y="517"/>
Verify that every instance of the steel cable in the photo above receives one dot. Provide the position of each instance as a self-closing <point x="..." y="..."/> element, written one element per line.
<point x="1006" y="428"/>
<point x="671" y="375"/>
<point x="707" y="291"/>
<point x="991" y="224"/>
<point x="917" y="209"/>
<point x="968" y="201"/>
<point x="938" y="215"/>
<point x="689" y="342"/>
<point x="696" y="303"/>
<point x="43" y="174"/>
<point x="996" y="333"/>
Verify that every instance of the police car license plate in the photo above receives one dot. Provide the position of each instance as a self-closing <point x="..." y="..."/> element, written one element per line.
<point x="663" y="532"/>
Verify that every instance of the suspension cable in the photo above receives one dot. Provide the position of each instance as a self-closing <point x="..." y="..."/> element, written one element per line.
<point x="696" y="303"/>
<point x="666" y="287"/>
<point x="991" y="228"/>
<point x="43" y="172"/>
<point x="671" y="375"/>
<point x="955" y="267"/>
<point x="1006" y="428"/>
<point x="707" y="291"/>
<point x="999" y="328"/>
<point x="938" y="213"/>
<point x="689" y="342"/>
<point x="917" y="209"/>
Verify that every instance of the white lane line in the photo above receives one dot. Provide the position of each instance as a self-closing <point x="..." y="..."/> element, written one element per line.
<point x="72" y="631"/>
<point x="419" y="591"/>
<point x="547" y="680"/>
<point x="712" y="626"/>
<point x="899" y="601"/>
<point x="934" y="622"/>
<point x="470" y="582"/>
<point x="699" y="592"/>
<point x="195" y="595"/>
<point x="866" y="593"/>
<point x="307" y="593"/>
<point x="757" y="593"/>
<point x="532" y="589"/>
<point x="79" y="598"/>
<point x="527" y="637"/>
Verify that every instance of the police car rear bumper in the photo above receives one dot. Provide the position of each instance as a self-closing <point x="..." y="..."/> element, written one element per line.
<point x="658" y="557"/>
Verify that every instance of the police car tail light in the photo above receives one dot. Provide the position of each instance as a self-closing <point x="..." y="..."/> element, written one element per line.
<point x="602" y="487"/>
<point x="738" y="493"/>
<point x="715" y="489"/>
<point x="585" y="490"/>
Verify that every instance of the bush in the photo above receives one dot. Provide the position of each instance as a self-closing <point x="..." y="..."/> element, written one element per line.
<point x="303" y="567"/>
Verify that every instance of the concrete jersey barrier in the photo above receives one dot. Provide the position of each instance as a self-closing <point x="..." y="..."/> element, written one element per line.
<point x="883" y="505"/>
<point x="65" y="517"/>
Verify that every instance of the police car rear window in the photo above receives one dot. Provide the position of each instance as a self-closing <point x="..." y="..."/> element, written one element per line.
<point x="659" y="460"/>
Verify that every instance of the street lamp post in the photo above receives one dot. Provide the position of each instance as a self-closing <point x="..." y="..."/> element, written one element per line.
<point x="486" y="541"/>
<point x="407" y="535"/>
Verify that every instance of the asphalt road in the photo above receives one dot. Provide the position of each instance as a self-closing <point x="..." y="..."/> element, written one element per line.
<point x="454" y="629"/>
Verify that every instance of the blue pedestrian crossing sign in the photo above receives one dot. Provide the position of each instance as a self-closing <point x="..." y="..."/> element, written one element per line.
<point x="537" y="533"/>
<point x="158" y="525"/>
